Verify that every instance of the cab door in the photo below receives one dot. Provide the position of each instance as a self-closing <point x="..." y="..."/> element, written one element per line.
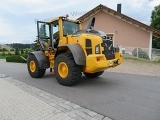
<point x="45" y="37"/>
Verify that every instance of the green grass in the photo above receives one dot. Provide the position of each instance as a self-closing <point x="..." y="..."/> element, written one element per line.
<point x="2" y="57"/>
<point x="6" y="52"/>
<point x="129" y="57"/>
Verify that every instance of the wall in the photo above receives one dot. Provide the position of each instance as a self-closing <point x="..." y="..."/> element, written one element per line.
<point x="125" y="34"/>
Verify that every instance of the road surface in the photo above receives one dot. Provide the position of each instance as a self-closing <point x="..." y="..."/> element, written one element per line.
<point x="118" y="96"/>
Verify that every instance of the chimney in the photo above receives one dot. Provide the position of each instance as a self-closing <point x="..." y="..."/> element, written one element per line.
<point x="119" y="8"/>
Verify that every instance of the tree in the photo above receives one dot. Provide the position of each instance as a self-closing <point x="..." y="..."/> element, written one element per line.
<point x="22" y="51"/>
<point x="155" y="17"/>
<point x="26" y="51"/>
<point x="155" y="22"/>
<point x="20" y="45"/>
<point x="17" y="51"/>
<point x="156" y="43"/>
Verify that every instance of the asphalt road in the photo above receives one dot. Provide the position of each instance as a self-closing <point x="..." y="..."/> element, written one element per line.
<point x="115" y="95"/>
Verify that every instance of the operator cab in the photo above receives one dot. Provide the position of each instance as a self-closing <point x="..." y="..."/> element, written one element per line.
<point x="51" y="32"/>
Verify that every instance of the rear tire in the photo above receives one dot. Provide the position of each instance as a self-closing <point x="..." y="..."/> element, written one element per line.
<point x="93" y="75"/>
<point x="33" y="67"/>
<point x="67" y="72"/>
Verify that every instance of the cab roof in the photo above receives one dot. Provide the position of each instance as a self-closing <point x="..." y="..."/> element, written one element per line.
<point x="62" y="17"/>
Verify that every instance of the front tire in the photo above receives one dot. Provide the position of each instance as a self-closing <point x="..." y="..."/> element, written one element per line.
<point x="33" y="67"/>
<point x="67" y="72"/>
<point x="93" y="75"/>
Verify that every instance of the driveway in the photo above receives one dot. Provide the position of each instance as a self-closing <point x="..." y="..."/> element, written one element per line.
<point x="139" y="67"/>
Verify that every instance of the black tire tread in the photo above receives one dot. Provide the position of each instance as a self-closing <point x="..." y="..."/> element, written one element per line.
<point x="74" y="70"/>
<point x="39" y="72"/>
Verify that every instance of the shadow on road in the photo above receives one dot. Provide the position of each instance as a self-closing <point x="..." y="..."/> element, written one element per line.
<point x="89" y="82"/>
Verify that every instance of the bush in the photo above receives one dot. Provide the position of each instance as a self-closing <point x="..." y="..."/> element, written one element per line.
<point x="141" y="53"/>
<point x="16" y="58"/>
<point x="2" y="57"/>
<point x="3" y="54"/>
<point x="9" y="54"/>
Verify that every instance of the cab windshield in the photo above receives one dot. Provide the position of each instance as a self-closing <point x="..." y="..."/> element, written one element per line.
<point x="70" y="27"/>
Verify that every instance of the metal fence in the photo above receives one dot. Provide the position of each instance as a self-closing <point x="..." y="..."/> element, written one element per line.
<point x="139" y="52"/>
<point x="155" y="54"/>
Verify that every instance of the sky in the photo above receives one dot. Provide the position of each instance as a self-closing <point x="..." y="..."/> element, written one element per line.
<point x="17" y="17"/>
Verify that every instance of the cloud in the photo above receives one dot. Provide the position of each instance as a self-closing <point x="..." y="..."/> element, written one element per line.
<point x="5" y="28"/>
<point x="153" y="3"/>
<point x="17" y="16"/>
<point x="137" y="3"/>
<point x="35" y="6"/>
<point x="16" y="33"/>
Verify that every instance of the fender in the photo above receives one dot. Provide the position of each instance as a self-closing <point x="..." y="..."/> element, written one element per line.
<point x="77" y="52"/>
<point x="41" y="58"/>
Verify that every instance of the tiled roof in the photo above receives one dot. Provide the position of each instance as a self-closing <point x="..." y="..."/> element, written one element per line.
<point x="156" y="33"/>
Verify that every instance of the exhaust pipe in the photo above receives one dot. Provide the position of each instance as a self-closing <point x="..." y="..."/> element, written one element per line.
<point x="91" y="23"/>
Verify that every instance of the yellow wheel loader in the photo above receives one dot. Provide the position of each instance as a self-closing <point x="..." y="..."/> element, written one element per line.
<point x="69" y="51"/>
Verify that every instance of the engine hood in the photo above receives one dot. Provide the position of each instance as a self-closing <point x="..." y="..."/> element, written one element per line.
<point x="93" y="32"/>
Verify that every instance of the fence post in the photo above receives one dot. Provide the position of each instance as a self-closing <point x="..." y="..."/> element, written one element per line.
<point x="137" y="52"/>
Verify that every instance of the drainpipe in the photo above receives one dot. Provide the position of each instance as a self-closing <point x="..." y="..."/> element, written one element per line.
<point x="150" y="46"/>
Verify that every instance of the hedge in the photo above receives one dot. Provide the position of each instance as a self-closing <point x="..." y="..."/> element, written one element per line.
<point x="16" y="58"/>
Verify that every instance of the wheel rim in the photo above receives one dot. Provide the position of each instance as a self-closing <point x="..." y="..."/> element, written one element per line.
<point x="63" y="69"/>
<point x="32" y="66"/>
